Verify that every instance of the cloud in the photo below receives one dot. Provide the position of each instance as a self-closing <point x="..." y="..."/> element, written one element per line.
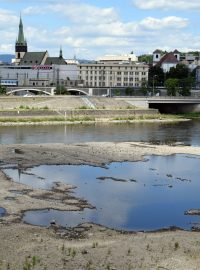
<point x="7" y="18"/>
<point x="166" y="22"/>
<point x="33" y="10"/>
<point x="85" y="12"/>
<point x="167" y="4"/>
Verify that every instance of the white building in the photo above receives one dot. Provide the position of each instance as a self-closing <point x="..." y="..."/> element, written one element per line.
<point x="113" y="74"/>
<point x="118" y="58"/>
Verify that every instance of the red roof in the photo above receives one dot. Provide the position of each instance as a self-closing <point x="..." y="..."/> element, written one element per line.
<point x="157" y="51"/>
<point x="168" y="58"/>
<point x="176" y="51"/>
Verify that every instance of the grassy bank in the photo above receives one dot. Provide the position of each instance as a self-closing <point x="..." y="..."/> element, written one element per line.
<point x="191" y="115"/>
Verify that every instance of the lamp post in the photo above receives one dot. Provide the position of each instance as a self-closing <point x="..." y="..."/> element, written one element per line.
<point x="154" y="76"/>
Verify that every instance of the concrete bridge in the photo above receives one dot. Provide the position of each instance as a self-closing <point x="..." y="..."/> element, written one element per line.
<point x="24" y="90"/>
<point x="166" y="104"/>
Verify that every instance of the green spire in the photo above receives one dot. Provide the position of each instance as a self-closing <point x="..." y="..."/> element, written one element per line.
<point x="21" y="38"/>
<point x="61" y="54"/>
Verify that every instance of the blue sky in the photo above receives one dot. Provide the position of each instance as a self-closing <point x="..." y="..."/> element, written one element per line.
<point x="89" y="28"/>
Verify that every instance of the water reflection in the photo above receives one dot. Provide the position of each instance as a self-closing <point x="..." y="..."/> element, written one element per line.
<point x="153" y="194"/>
<point x="186" y="132"/>
<point x="2" y="212"/>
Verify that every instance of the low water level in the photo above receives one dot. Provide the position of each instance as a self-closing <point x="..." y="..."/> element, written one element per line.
<point x="186" y="132"/>
<point x="145" y="195"/>
<point x="2" y="212"/>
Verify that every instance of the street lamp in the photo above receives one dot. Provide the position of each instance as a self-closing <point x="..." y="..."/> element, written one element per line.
<point x="154" y="76"/>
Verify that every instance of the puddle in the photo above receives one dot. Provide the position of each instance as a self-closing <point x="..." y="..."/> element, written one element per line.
<point x="2" y="212"/>
<point x="130" y="195"/>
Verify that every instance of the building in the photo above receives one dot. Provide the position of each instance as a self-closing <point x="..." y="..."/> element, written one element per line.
<point x="37" y="69"/>
<point x="166" y="60"/>
<point x="113" y="74"/>
<point x="115" y="59"/>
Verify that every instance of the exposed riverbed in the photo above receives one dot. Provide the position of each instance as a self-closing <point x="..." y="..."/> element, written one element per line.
<point x="170" y="250"/>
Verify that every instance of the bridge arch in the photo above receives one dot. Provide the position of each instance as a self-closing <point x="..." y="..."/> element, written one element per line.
<point x="28" y="90"/>
<point x="75" y="91"/>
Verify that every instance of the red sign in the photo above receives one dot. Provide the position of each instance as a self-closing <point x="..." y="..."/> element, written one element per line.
<point x="43" y="67"/>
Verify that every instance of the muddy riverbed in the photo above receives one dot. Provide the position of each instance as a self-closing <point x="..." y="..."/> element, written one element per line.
<point x="88" y="246"/>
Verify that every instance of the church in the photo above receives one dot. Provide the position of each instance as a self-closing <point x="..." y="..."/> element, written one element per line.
<point x="37" y="69"/>
<point x="23" y="57"/>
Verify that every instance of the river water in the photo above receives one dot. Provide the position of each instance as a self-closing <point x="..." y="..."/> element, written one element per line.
<point x="186" y="132"/>
<point x="145" y="195"/>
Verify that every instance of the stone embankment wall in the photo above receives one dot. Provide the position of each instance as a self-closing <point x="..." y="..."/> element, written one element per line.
<point x="77" y="113"/>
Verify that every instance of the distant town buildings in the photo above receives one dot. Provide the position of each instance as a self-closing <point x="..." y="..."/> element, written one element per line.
<point x="109" y="74"/>
<point x="167" y="60"/>
<point x="39" y="69"/>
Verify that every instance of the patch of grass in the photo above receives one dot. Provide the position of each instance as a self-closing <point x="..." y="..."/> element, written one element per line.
<point x="84" y="108"/>
<point x="190" y="115"/>
<point x="129" y="107"/>
<point x="176" y="246"/>
<point x="24" y="107"/>
<point x="95" y="244"/>
<point x="30" y="263"/>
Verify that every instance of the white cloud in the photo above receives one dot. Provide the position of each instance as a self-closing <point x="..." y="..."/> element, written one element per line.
<point x="85" y="12"/>
<point x="167" y="4"/>
<point x="33" y="10"/>
<point x="7" y="18"/>
<point x="167" y="22"/>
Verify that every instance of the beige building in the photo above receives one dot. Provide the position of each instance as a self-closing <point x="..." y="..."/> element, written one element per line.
<point x="112" y="74"/>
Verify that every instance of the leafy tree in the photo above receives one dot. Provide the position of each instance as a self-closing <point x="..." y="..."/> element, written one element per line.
<point x="156" y="76"/>
<point x="185" y="86"/>
<point x="61" y="90"/>
<point x="145" y="58"/>
<point x="2" y="90"/>
<point x="181" y="71"/>
<point x="117" y="92"/>
<point x="172" y="86"/>
<point x="128" y="91"/>
<point x="144" y="88"/>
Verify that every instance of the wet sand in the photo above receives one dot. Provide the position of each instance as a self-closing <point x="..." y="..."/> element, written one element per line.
<point x="89" y="246"/>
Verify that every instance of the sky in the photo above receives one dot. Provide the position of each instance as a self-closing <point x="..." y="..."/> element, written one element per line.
<point x="88" y="29"/>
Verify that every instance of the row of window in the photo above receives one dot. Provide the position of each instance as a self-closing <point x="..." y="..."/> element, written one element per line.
<point x="112" y="72"/>
<point x="131" y="79"/>
<point x="111" y="85"/>
<point x="106" y="67"/>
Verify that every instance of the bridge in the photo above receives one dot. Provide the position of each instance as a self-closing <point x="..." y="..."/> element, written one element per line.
<point x="166" y="104"/>
<point x="31" y="90"/>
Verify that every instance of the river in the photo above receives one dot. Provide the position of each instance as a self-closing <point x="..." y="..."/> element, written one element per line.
<point x="186" y="132"/>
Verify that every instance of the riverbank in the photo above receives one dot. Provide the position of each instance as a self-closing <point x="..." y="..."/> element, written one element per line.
<point x="88" y="246"/>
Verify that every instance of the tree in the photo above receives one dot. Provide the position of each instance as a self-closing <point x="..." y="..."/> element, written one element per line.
<point x="2" y="90"/>
<point x="172" y="86"/>
<point x="185" y="86"/>
<point x="144" y="88"/>
<point x="129" y="91"/>
<point x="156" y="76"/>
<point x="181" y="71"/>
<point x="117" y="92"/>
<point x="61" y="90"/>
<point x="145" y="58"/>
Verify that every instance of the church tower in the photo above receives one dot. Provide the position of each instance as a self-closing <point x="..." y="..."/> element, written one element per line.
<point x="20" y="45"/>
